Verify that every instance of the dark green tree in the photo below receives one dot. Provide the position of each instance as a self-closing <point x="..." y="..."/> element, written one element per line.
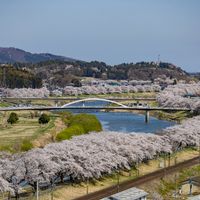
<point x="13" y="118"/>
<point x="44" y="119"/>
<point x="76" y="83"/>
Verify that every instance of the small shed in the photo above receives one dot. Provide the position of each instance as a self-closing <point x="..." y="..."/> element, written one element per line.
<point x="130" y="194"/>
<point x="191" y="186"/>
<point x="194" y="197"/>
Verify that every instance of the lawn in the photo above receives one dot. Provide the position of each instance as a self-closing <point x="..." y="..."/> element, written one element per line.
<point x="4" y="104"/>
<point x="122" y="95"/>
<point x="11" y="136"/>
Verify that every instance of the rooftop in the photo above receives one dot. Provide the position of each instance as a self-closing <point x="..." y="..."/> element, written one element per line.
<point x="130" y="194"/>
<point x="194" y="197"/>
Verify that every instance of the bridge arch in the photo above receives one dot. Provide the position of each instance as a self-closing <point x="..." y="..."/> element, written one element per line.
<point x="94" y="99"/>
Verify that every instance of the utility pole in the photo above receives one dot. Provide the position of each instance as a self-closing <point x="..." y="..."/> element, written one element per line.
<point x="118" y="181"/>
<point x="52" y="188"/>
<point x="4" y="76"/>
<point x="137" y="168"/>
<point x="175" y="186"/>
<point x="37" y="191"/>
<point x="87" y="186"/>
<point x="158" y="61"/>
<point x="175" y="160"/>
<point x="199" y="150"/>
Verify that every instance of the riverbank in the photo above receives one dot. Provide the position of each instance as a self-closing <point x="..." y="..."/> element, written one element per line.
<point x="27" y="129"/>
<point x="28" y="132"/>
<point x="163" y="115"/>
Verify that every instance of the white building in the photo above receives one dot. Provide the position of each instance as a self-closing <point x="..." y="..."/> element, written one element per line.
<point x="130" y="194"/>
<point x="194" y="197"/>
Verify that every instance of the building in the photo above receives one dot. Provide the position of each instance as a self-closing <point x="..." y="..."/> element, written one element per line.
<point x="194" y="197"/>
<point x="130" y="194"/>
<point x="191" y="186"/>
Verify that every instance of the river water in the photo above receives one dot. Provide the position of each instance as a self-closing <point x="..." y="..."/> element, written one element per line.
<point x="126" y="121"/>
<point x="130" y="122"/>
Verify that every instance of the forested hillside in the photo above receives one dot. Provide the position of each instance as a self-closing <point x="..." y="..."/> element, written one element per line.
<point x="61" y="73"/>
<point x="18" y="78"/>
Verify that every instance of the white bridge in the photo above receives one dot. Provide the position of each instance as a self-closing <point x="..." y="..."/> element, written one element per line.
<point x="119" y="106"/>
<point x="94" y="99"/>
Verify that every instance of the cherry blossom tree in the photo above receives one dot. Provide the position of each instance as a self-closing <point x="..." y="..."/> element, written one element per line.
<point x="179" y="96"/>
<point x="92" y="156"/>
<point x="26" y="92"/>
<point x="108" y="89"/>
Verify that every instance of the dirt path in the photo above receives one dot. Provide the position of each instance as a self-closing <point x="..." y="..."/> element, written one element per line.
<point x="49" y="137"/>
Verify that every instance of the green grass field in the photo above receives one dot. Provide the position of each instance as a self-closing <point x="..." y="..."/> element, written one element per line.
<point x="11" y="136"/>
<point x="5" y="104"/>
<point x="125" y="95"/>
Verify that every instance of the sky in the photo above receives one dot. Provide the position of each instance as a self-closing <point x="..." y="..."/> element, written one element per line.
<point x="112" y="31"/>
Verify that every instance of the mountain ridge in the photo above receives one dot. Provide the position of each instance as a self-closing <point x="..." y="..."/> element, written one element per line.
<point x="56" y="71"/>
<point x="12" y="55"/>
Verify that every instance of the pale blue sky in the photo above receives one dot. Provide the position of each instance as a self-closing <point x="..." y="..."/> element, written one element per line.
<point x="113" y="31"/>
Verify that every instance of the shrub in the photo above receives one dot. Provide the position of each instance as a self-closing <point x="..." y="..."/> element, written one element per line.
<point x="69" y="132"/>
<point x="26" y="145"/>
<point x="66" y="117"/>
<point x="87" y="121"/>
<point x="13" y="118"/>
<point x="6" y="148"/>
<point x="78" y="125"/>
<point x="44" y="119"/>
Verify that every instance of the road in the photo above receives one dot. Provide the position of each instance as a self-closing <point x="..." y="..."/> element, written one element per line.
<point x="74" y="99"/>
<point x="51" y="108"/>
<point x="139" y="181"/>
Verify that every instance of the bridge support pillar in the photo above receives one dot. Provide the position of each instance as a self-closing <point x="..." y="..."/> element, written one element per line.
<point x="56" y="103"/>
<point x="147" y="116"/>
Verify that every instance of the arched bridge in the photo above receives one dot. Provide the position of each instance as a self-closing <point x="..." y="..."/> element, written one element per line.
<point x="94" y="99"/>
<point x="119" y="106"/>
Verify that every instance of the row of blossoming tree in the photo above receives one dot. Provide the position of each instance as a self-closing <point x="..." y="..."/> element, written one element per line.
<point x="107" y="89"/>
<point x="73" y="91"/>
<point x="180" y="96"/>
<point x="92" y="156"/>
<point x="25" y="92"/>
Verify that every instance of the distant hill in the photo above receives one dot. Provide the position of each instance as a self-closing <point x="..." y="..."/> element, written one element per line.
<point x="61" y="73"/>
<point x="196" y="75"/>
<point x="18" y="78"/>
<point x="13" y="55"/>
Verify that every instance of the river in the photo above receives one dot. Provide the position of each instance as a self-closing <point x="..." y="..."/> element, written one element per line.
<point x="126" y="121"/>
<point x="130" y="122"/>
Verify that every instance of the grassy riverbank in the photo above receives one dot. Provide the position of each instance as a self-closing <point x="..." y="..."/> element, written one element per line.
<point x="24" y="132"/>
<point x="122" y="95"/>
<point x="169" y="116"/>
<point x="78" y="125"/>
<point x="27" y="133"/>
